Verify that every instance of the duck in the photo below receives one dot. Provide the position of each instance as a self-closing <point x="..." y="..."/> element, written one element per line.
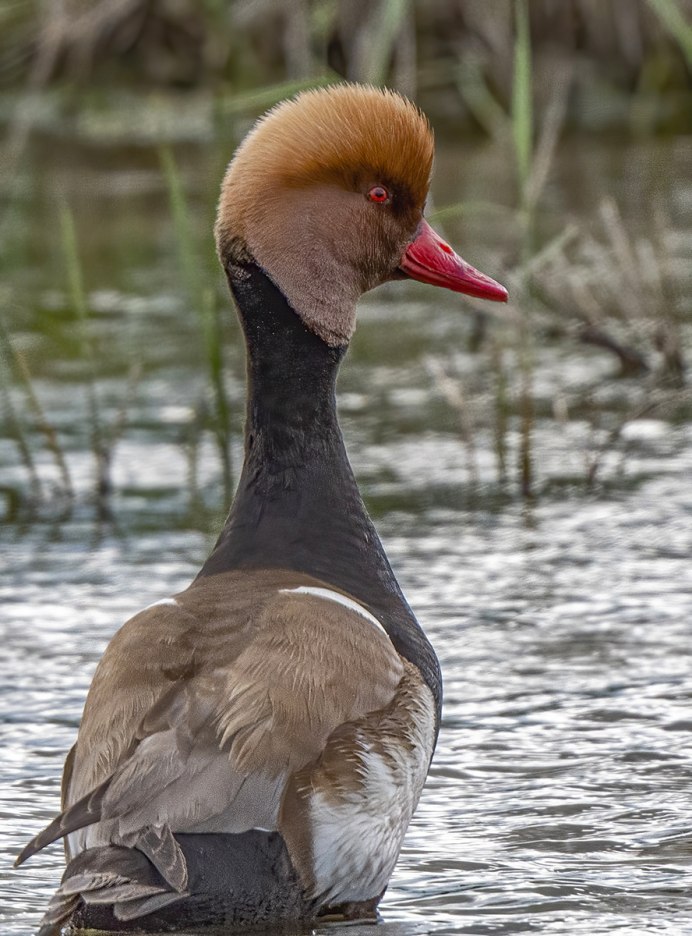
<point x="253" y="748"/>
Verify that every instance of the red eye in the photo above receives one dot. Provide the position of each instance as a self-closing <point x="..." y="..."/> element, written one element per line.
<point x="379" y="194"/>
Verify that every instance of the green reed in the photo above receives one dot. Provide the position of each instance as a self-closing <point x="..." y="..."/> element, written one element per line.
<point x="204" y="302"/>
<point x="257" y="100"/>
<point x="523" y="136"/>
<point x="522" y="100"/>
<point x="674" y="20"/>
<point x="15" y="371"/>
<point x="378" y="43"/>
<point x="16" y="362"/>
<point x="516" y="127"/>
<point x="15" y="430"/>
<point x="99" y="441"/>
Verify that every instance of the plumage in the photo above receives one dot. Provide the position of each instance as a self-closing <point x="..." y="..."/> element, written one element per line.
<point x="253" y="748"/>
<point x="305" y="160"/>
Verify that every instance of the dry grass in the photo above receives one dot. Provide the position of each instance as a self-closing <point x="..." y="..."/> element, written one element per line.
<point x="457" y="53"/>
<point x="600" y="285"/>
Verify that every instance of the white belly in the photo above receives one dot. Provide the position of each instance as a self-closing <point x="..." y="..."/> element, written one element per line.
<point x="358" y="821"/>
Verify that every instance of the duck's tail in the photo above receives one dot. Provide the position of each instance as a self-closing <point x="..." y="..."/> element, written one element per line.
<point x="232" y="880"/>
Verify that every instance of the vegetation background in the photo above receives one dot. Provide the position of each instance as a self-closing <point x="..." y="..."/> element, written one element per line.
<point x="534" y="77"/>
<point x="456" y="56"/>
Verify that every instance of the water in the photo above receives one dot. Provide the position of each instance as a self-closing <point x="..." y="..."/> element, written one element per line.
<point x="559" y="797"/>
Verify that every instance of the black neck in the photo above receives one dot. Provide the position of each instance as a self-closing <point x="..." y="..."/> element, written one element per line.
<point x="297" y="505"/>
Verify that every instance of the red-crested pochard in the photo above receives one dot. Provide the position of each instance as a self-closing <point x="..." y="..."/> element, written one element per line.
<point x="252" y="749"/>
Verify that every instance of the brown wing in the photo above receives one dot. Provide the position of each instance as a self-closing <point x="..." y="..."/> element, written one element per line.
<point x="141" y="669"/>
<point x="202" y="709"/>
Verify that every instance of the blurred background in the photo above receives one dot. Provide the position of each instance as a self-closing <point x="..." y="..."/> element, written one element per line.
<point x="563" y="134"/>
<point x="528" y="467"/>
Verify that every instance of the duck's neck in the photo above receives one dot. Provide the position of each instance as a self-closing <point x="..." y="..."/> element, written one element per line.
<point x="297" y="505"/>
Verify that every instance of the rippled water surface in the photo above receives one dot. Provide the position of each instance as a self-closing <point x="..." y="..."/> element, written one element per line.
<point x="559" y="799"/>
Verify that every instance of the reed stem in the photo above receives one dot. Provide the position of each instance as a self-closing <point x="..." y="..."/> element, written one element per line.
<point x="522" y="133"/>
<point x="75" y="280"/>
<point x="204" y="303"/>
<point x="674" y="20"/>
<point x="14" y="425"/>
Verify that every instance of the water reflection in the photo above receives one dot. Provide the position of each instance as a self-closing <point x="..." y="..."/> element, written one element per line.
<point x="559" y="796"/>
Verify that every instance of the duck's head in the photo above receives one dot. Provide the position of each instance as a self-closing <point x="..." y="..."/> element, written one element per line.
<point x="326" y="194"/>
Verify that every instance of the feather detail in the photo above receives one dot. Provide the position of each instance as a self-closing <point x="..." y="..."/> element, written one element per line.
<point x="165" y="854"/>
<point x="84" y="812"/>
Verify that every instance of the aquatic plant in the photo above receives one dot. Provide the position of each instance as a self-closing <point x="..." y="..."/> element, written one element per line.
<point x="15" y="362"/>
<point x="203" y="300"/>
<point x="671" y="14"/>
<point x="100" y="445"/>
<point x="523" y="136"/>
<point x="605" y="285"/>
<point x="598" y="284"/>
<point x="14" y="429"/>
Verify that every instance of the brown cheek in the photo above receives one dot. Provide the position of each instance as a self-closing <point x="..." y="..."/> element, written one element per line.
<point x="376" y="258"/>
<point x="395" y="235"/>
<point x="360" y="242"/>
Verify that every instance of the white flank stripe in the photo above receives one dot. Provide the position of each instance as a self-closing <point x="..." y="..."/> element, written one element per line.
<point x="339" y="599"/>
<point x="162" y="601"/>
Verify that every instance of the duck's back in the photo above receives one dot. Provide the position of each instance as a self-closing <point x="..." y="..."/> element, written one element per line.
<point x="260" y="724"/>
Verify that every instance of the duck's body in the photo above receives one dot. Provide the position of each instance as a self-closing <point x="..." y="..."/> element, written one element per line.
<point x="252" y="750"/>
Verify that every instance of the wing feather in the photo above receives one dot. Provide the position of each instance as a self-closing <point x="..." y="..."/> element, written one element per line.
<point x="83" y="813"/>
<point x="199" y="713"/>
